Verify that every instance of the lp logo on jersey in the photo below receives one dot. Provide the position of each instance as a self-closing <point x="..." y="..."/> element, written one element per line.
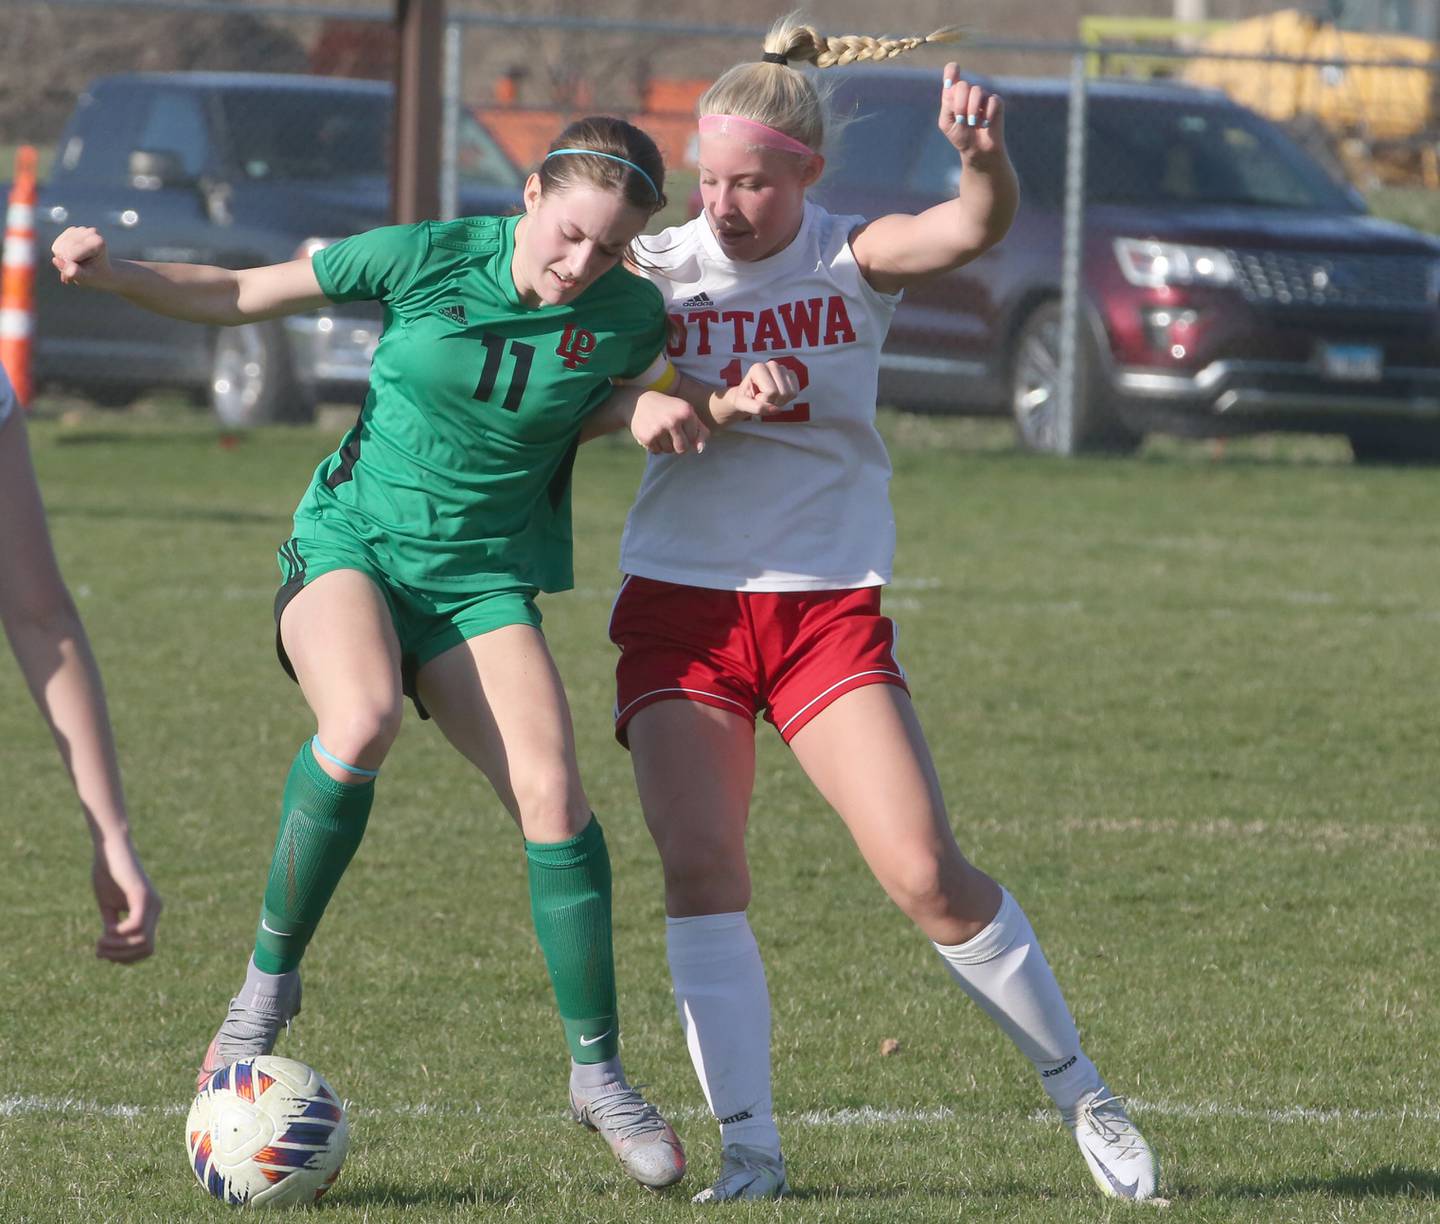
<point x="575" y="346"/>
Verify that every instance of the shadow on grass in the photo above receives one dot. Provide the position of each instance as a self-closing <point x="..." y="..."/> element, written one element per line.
<point x="396" y="1194"/>
<point x="147" y="437"/>
<point x="166" y="514"/>
<point x="1388" y="1182"/>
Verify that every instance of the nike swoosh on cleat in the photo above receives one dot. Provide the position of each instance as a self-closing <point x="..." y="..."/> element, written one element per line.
<point x="589" y="1041"/>
<point x="1121" y="1188"/>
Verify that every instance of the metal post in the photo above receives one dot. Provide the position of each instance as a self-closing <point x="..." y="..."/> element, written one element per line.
<point x="1073" y="238"/>
<point x="415" y="179"/>
<point x="450" y="96"/>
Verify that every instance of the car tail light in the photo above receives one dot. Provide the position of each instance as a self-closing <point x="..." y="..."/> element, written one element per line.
<point x="1153" y="265"/>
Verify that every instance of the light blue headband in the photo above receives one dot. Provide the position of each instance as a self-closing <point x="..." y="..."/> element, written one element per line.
<point x="654" y="190"/>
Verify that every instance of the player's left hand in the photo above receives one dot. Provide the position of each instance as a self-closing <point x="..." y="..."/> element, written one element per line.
<point x="971" y="117"/>
<point x="765" y="389"/>
<point x="667" y="425"/>
<point x="129" y="904"/>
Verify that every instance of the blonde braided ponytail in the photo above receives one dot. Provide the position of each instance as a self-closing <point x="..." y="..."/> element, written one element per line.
<point x="842" y="49"/>
<point x="781" y="97"/>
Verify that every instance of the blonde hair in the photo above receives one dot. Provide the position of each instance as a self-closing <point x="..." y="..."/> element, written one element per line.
<point x="787" y="100"/>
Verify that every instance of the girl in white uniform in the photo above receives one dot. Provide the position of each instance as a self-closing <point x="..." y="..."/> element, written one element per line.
<point x="753" y="586"/>
<point x="54" y="654"/>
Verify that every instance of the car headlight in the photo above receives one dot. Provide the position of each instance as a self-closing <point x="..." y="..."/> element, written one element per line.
<point x="1154" y="265"/>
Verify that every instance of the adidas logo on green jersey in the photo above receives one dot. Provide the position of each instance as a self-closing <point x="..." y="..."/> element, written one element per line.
<point x="456" y="314"/>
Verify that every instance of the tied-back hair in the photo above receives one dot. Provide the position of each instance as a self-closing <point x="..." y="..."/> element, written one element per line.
<point x="787" y="100"/>
<point x="613" y="138"/>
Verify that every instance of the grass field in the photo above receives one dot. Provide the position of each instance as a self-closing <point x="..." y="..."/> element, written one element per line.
<point x="1184" y="706"/>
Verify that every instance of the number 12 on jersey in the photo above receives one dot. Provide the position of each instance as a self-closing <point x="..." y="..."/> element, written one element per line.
<point x="797" y="412"/>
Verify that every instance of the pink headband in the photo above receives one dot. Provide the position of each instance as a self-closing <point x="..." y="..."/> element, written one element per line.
<point x="753" y="133"/>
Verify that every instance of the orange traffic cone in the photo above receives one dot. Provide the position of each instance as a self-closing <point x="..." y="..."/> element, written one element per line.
<point x="17" y="277"/>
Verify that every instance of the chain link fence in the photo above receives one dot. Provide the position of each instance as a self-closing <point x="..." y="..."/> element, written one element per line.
<point x="1191" y="254"/>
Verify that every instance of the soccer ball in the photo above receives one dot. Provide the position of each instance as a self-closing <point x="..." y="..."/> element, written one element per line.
<point x="266" y="1132"/>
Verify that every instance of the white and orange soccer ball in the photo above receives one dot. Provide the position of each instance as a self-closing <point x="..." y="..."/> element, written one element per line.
<point x="266" y="1132"/>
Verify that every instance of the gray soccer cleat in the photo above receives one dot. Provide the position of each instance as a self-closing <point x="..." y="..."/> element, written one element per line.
<point x="251" y="1028"/>
<point x="644" y="1143"/>
<point x="1120" y="1160"/>
<point x="747" y="1173"/>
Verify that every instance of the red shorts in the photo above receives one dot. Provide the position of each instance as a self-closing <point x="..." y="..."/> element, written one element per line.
<point x="788" y="654"/>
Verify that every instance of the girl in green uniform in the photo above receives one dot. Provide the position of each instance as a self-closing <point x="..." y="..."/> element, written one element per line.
<point x="421" y="543"/>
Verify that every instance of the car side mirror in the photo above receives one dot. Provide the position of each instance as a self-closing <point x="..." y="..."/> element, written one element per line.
<point x="152" y="169"/>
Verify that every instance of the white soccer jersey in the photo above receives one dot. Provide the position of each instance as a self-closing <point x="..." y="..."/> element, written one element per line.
<point x="796" y="503"/>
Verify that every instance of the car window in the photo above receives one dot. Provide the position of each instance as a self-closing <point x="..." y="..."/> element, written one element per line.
<point x="1199" y="155"/>
<point x="479" y="159"/>
<point x="1165" y="154"/>
<point x="283" y="134"/>
<point x="175" y="123"/>
<point x="876" y="145"/>
<point x="109" y="119"/>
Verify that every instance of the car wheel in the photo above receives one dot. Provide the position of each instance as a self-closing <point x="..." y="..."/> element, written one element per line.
<point x="1035" y="395"/>
<point x="1386" y="443"/>
<point x="252" y="381"/>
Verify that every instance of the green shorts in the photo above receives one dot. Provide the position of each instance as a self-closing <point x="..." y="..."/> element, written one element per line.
<point x="428" y="623"/>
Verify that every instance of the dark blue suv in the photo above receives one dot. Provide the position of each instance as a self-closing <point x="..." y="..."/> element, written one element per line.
<point x="234" y="169"/>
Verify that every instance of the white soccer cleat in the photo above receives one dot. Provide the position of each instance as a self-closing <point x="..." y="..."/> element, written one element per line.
<point x="747" y="1173"/>
<point x="644" y="1143"/>
<point x="1119" y="1158"/>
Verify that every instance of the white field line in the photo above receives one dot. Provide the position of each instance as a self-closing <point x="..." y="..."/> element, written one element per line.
<point x="25" y="1106"/>
<point x="1412" y="838"/>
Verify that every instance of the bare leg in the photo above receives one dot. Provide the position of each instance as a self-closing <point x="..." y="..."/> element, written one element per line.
<point x="867" y="755"/>
<point x="695" y="767"/>
<point x="338" y="634"/>
<point x="498" y="699"/>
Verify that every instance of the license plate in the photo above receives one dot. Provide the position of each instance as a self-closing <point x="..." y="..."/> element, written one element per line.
<point x="1352" y="362"/>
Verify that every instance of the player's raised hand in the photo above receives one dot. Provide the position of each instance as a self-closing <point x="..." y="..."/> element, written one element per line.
<point x="81" y="257"/>
<point x="667" y="425"/>
<point x="764" y="390"/>
<point x="971" y="117"/>
<point x="129" y="904"/>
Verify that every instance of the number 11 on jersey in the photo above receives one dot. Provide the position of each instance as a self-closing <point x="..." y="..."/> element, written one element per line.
<point x="521" y="354"/>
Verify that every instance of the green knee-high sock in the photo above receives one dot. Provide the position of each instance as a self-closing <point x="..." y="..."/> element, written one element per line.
<point x="321" y="824"/>
<point x="570" y="903"/>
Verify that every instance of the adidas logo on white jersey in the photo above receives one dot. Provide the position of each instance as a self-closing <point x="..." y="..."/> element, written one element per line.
<point x="700" y="299"/>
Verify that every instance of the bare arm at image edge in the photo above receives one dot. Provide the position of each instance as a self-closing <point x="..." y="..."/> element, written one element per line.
<point x="50" y="645"/>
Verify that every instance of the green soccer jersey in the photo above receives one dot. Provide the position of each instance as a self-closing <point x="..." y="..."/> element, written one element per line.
<point x="457" y="474"/>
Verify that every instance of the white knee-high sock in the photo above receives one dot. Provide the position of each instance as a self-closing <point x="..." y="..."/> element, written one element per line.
<point x="724" y="1008"/>
<point x="1005" y="972"/>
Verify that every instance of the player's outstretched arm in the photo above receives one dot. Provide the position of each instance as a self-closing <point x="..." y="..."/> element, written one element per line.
<point x="681" y="417"/>
<point x="198" y="293"/>
<point x="50" y="644"/>
<point x="764" y="389"/>
<point x="900" y="249"/>
<point x="660" y="422"/>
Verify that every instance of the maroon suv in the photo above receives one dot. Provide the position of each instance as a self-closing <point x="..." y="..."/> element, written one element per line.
<point x="1230" y="284"/>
